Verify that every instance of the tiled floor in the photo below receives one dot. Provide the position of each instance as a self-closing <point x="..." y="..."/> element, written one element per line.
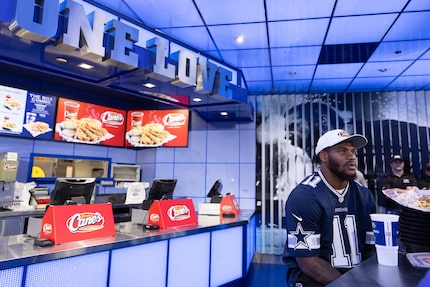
<point x="266" y="270"/>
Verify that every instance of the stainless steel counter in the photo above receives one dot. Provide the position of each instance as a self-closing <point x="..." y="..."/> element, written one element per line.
<point x="370" y="273"/>
<point x="19" y="250"/>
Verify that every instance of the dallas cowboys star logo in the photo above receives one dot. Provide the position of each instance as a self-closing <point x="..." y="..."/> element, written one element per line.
<point x="301" y="237"/>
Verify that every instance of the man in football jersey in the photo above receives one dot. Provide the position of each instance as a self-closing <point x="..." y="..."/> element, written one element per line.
<point x="329" y="230"/>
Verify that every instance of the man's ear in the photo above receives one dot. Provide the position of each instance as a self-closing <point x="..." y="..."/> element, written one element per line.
<point x="323" y="156"/>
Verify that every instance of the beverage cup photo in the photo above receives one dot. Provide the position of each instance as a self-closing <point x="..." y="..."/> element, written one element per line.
<point x="30" y="118"/>
<point x="136" y="119"/>
<point x="71" y="110"/>
<point x="386" y="232"/>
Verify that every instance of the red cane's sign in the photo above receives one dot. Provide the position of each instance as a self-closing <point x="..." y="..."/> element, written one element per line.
<point x="85" y="222"/>
<point x="66" y="223"/>
<point x="178" y="212"/>
<point x="173" y="212"/>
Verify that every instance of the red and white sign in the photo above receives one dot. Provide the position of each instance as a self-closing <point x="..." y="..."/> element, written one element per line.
<point x="229" y="206"/>
<point x="81" y="122"/>
<point x="169" y="213"/>
<point x="66" y="223"/>
<point x="155" y="128"/>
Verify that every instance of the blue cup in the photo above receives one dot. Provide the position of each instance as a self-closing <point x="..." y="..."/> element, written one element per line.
<point x="385" y="229"/>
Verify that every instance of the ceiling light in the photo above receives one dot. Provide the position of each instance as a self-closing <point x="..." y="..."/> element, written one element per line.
<point x="224" y="114"/>
<point x="398" y="52"/>
<point x="240" y="39"/>
<point x="197" y="100"/>
<point x="383" y="70"/>
<point x="149" y="85"/>
<point x="292" y="73"/>
<point x="85" y="66"/>
<point x="61" y="59"/>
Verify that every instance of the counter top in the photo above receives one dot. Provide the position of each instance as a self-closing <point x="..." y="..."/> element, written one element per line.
<point x="370" y="273"/>
<point x="28" y="212"/>
<point x="19" y="250"/>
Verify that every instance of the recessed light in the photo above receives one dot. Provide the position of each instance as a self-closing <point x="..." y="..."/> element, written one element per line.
<point x="197" y="100"/>
<point x="398" y="52"/>
<point x="149" y="85"/>
<point x="292" y="73"/>
<point x="61" y="59"/>
<point x="240" y="39"/>
<point x="224" y="114"/>
<point x="85" y="66"/>
<point x="383" y="70"/>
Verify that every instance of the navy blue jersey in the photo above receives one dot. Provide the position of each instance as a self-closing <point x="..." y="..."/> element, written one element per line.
<point x="330" y="224"/>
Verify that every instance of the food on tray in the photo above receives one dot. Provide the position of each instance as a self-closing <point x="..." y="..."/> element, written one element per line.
<point x="149" y="134"/>
<point x="70" y="124"/>
<point x="9" y="126"/>
<point x="11" y="103"/>
<point x="84" y="130"/>
<point x="412" y="198"/>
<point x="423" y="201"/>
<point x="39" y="127"/>
<point x="89" y="130"/>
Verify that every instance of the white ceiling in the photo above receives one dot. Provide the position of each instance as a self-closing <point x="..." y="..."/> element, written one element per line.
<point x="301" y="46"/>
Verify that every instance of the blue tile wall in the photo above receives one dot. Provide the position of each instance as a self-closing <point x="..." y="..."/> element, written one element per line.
<point x="197" y="148"/>
<point x="216" y="150"/>
<point x="223" y="146"/>
<point x="191" y="180"/>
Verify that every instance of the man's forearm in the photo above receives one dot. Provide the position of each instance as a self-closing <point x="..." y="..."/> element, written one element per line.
<point x="318" y="269"/>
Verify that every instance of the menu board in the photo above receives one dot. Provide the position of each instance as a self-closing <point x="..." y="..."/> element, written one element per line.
<point x="81" y="122"/>
<point x="156" y="128"/>
<point x="25" y="113"/>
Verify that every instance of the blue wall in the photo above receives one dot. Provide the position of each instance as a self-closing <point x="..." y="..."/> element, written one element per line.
<point x="224" y="150"/>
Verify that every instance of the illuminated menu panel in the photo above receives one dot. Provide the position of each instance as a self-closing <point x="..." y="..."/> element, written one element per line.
<point x="81" y="122"/>
<point x="156" y="128"/>
<point x="26" y="114"/>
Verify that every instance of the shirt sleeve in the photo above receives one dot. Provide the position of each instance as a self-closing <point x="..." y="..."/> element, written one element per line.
<point x="302" y="220"/>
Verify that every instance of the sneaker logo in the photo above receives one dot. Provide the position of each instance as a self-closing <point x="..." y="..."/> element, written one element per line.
<point x="299" y="218"/>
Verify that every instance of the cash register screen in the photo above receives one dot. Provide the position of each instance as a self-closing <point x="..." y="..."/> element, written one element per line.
<point x="72" y="191"/>
<point x="162" y="189"/>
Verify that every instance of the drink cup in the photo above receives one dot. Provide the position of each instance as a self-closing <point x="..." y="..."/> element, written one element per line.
<point x="71" y="110"/>
<point x="30" y="118"/>
<point x="386" y="232"/>
<point x="136" y="119"/>
<point x="387" y="255"/>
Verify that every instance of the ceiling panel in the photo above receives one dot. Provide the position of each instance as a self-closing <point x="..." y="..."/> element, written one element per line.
<point x="295" y="55"/>
<point x="360" y="7"/>
<point x="279" y="35"/>
<point x="293" y="72"/>
<point x="196" y="37"/>
<point x="370" y="84"/>
<point x="420" y="67"/>
<point x="418" y="5"/>
<point x="399" y="50"/>
<point x="336" y="85"/>
<point x="410" y="83"/>
<point x="297" y="33"/>
<point x="337" y="70"/>
<point x="384" y="69"/>
<point x="280" y="10"/>
<point x="225" y="36"/>
<point x="358" y="29"/>
<point x="257" y="74"/>
<point x="410" y="26"/>
<point x="247" y="58"/>
<point x="229" y="12"/>
<point x="163" y="14"/>
<point x="294" y="46"/>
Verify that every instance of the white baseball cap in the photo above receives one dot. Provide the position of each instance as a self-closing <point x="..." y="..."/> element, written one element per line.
<point x="334" y="137"/>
